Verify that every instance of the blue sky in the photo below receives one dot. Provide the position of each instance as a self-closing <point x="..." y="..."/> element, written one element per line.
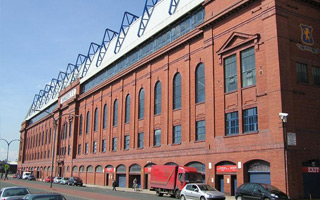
<point x="38" y="38"/>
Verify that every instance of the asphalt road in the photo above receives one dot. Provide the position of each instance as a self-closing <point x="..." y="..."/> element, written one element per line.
<point x="81" y="193"/>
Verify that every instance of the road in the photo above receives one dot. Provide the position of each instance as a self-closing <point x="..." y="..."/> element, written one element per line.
<point x="83" y="193"/>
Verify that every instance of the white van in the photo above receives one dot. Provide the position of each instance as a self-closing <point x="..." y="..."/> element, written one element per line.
<point x="25" y="175"/>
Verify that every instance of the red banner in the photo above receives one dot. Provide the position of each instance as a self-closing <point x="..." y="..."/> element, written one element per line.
<point x="311" y="169"/>
<point x="108" y="170"/>
<point x="226" y="169"/>
<point x="147" y="170"/>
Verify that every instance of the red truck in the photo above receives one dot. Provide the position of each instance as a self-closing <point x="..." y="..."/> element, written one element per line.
<point x="170" y="179"/>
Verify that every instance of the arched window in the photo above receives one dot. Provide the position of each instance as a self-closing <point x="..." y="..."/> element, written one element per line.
<point x="200" y="83"/>
<point x="177" y="91"/>
<point x="157" y="98"/>
<point x="81" y="169"/>
<point x="88" y="122"/>
<point x="99" y="169"/>
<point x="80" y="126"/>
<point x="74" y="169"/>
<point x="127" y="114"/>
<point x="90" y="168"/>
<point x="105" y="114"/>
<point x="141" y="104"/>
<point x="135" y="168"/>
<point x="95" y="125"/>
<point x="115" y="113"/>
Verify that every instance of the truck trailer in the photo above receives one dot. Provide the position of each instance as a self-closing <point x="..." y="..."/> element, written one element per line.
<point x="170" y="179"/>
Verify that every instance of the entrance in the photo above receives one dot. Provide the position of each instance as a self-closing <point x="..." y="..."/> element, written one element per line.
<point x="107" y="179"/>
<point x="311" y="179"/>
<point x="233" y="185"/>
<point x="146" y="181"/>
<point x="221" y="183"/>
<point x="121" y="179"/>
<point x="132" y="177"/>
<point x="259" y="172"/>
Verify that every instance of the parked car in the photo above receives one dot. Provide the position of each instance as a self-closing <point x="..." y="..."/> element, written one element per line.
<point x="75" y="181"/>
<point x="201" y="191"/>
<point x="31" y="177"/>
<point x="259" y="191"/>
<point x="56" y="179"/>
<point x="25" y="175"/>
<point x="44" y="196"/>
<point x="13" y="192"/>
<point x="64" y="180"/>
<point x="47" y="180"/>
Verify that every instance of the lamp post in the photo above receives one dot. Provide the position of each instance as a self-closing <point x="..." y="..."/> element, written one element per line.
<point x="8" y="143"/>
<point x="55" y="123"/>
<point x="284" y="119"/>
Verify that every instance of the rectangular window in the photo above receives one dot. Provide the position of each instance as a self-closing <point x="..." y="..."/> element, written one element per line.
<point x="177" y="134"/>
<point x="94" y="149"/>
<point x="250" y="120"/>
<point x="86" y="148"/>
<point x="104" y="145"/>
<point x="114" y="144"/>
<point x="140" y="140"/>
<point x="79" y="149"/>
<point x="69" y="150"/>
<point x="302" y="73"/>
<point x="157" y="138"/>
<point x="126" y="142"/>
<point x="230" y="73"/>
<point x="80" y="125"/>
<point x="48" y="153"/>
<point x="316" y="75"/>
<point x="232" y="123"/>
<point x="50" y="136"/>
<point x="248" y="67"/>
<point x="70" y="128"/>
<point x="201" y="130"/>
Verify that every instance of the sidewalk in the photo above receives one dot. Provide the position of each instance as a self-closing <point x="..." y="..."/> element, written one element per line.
<point x="145" y="191"/>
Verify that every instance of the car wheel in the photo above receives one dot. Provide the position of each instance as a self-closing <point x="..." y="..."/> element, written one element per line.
<point x="177" y="194"/>
<point x="182" y="197"/>
<point x="159" y="194"/>
<point x="202" y="198"/>
<point x="266" y="199"/>
<point x="239" y="198"/>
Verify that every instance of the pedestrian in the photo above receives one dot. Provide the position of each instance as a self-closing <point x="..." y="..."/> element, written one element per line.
<point x="134" y="184"/>
<point x="114" y="185"/>
<point x="1" y="174"/>
<point x="6" y="171"/>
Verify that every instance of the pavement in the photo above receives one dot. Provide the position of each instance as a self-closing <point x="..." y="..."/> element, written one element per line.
<point x="145" y="191"/>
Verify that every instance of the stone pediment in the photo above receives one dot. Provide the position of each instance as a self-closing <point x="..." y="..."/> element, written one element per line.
<point x="235" y="40"/>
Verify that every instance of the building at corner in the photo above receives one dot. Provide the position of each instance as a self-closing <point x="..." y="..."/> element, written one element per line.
<point x="195" y="83"/>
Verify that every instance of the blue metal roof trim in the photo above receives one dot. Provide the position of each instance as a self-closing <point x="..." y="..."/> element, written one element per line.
<point x="127" y="20"/>
<point x="173" y="6"/>
<point x="107" y="37"/>
<point x="146" y="15"/>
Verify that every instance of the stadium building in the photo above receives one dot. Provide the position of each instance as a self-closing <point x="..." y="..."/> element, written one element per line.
<point x="231" y="87"/>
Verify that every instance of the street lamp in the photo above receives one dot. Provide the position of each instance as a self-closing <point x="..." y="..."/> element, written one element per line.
<point x="284" y="119"/>
<point x="55" y="123"/>
<point x="8" y="143"/>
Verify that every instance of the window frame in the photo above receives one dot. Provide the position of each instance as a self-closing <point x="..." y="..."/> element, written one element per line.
<point x="199" y="134"/>
<point x="228" y="123"/>
<point x="157" y="98"/>
<point x="200" y="90"/>
<point x="177" y="91"/>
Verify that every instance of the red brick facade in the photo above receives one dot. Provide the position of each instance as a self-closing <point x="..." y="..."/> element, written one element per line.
<point x="272" y="28"/>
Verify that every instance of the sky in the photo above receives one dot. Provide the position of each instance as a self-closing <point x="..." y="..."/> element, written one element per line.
<point x="38" y="38"/>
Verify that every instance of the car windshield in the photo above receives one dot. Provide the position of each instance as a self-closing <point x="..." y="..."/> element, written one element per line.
<point x="206" y="188"/>
<point x="49" y="197"/>
<point x="270" y="188"/>
<point x="193" y="177"/>
<point x="15" y="192"/>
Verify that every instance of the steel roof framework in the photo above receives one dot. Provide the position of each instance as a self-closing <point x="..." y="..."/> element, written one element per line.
<point x="146" y="15"/>
<point x="127" y="20"/>
<point x="108" y="36"/>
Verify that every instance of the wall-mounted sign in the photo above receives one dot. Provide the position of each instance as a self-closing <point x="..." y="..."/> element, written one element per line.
<point x="307" y="39"/>
<point x="68" y="95"/>
<point x="292" y="139"/>
<point x="147" y="170"/>
<point x="226" y="169"/>
<point x="311" y="169"/>
<point x="109" y="170"/>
